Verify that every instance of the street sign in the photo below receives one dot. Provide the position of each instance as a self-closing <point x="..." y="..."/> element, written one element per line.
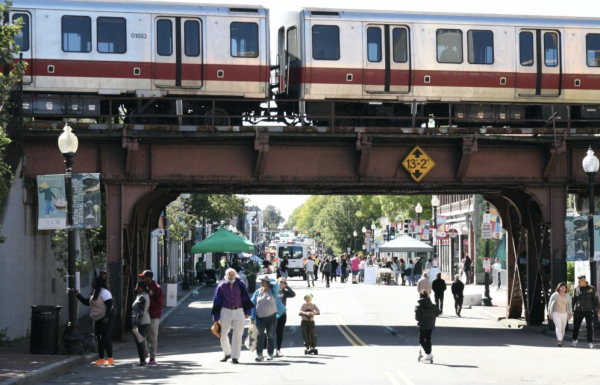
<point x="349" y="250"/>
<point x="418" y="164"/>
<point x="487" y="264"/>
<point x="486" y="230"/>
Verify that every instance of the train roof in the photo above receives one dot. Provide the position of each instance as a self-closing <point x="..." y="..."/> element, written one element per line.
<point x="450" y="18"/>
<point x="164" y="6"/>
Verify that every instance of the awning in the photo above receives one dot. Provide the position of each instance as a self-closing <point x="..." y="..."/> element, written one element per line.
<point x="405" y="244"/>
<point x="223" y="241"/>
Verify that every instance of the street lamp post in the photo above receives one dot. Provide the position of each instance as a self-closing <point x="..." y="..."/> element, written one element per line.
<point x="590" y="166"/>
<point x="419" y="210"/>
<point x="487" y="300"/>
<point x="372" y="240"/>
<point x="68" y="143"/>
<point x="364" y="232"/>
<point x="435" y="202"/>
<point x="354" y="235"/>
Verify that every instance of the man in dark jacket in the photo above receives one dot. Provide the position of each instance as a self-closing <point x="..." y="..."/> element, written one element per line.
<point x="585" y="303"/>
<point x="334" y="266"/>
<point x="439" y="287"/>
<point x="418" y="270"/>
<point x="425" y="314"/>
<point x="457" y="289"/>
<point x="467" y="268"/>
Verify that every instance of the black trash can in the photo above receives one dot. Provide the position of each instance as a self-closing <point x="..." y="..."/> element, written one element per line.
<point x="44" y="329"/>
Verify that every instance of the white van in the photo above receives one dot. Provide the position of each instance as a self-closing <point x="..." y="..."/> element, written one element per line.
<point x="297" y="254"/>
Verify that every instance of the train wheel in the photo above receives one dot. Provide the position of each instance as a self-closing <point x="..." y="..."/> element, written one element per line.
<point x="220" y="119"/>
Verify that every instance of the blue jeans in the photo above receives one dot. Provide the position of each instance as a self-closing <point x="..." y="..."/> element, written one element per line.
<point x="416" y="278"/>
<point x="284" y="274"/>
<point x="268" y="324"/>
<point x="48" y="208"/>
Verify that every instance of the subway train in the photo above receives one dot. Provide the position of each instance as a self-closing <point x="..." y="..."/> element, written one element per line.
<point x="213" y="64"/>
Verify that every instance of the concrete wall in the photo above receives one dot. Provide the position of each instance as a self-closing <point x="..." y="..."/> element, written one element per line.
<point x="28" y="273"/>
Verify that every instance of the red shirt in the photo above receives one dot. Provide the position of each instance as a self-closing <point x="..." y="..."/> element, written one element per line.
<point x="156" y="300"/>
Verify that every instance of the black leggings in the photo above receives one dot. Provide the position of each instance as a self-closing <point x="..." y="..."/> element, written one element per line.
<point x="425" y="340"/>
<point x="280" y="326"/>
<point x="103" y="331"/>
<point x="141" y="346"/>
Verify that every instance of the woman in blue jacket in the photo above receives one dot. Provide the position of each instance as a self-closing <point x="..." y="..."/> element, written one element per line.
<point x="268" y="308"/>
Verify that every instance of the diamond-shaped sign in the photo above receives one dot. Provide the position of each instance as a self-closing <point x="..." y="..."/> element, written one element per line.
<point x="418" y="164"/>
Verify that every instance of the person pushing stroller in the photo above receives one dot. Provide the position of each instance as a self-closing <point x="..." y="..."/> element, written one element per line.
<point x="308" y="311"/>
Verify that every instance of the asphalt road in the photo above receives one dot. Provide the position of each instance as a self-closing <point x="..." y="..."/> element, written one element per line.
<point x="366" y="335"/>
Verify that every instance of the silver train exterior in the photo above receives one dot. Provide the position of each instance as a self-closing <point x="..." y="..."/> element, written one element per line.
<point x="152" y="49"/>
<point x="509" y="64"/>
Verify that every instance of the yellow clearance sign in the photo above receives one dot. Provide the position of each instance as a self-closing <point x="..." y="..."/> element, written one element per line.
<point x="418" y="164"/>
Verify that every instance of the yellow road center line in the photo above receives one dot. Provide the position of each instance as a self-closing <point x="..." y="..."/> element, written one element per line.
<point x="340" y="325"/>
<point x="361" y="342"/>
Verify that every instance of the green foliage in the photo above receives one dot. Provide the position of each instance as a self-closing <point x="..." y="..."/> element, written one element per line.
<point x="251" y="269"/>
<point x="93" y="250"/>
<point x="272" y="217"/>
<point x="215" y="207"/>
<point x="180" y="219"/>
<point x="4" y="340"/>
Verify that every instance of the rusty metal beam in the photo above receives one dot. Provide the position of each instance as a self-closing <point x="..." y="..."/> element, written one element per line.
<point x="261" y="144"/>
<point x="468" y="148"/>
<point x="364" y="144"/>
<point x="132" y="146"/>
<point x="558" y="149"/>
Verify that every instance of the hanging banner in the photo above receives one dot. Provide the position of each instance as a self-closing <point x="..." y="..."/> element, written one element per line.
<point x="424" y="230"/>
<point x="497" y="233"/>
<point x="52" y="204"/>
<point x="86" y="201"/>
<point x="577" y="235"/>
<point x="596" y="238"/>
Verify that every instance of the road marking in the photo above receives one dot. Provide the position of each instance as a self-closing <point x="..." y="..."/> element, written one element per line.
<point x="391" y="378"/>
<point x="344" y="329"/>
<point x="404" y="378"/>
<point x="360" y="342"/>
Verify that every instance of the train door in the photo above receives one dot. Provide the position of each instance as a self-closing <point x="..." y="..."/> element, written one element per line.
<point x="539" y="67"/>
<point x="177" y="52"/>
<point x="387" y="59"/>
<point x="24" y="41"/>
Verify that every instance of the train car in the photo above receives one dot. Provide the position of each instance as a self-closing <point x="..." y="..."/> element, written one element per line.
<point x="177" y="55"/>
<point x="473" y="68"/>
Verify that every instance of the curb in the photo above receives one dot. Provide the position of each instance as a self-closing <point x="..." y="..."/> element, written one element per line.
<point x="61" y="367"/>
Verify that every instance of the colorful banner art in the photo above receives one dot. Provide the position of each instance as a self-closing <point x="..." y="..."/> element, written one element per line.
<point x="86" y="201"/>
<point x="578" y="245"/>
<point x="52" y="203"/>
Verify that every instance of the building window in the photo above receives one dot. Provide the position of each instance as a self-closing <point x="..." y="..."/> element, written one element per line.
<point x="592" y="41"/>
<point x="292" y="44"/>
<point x="22" y="39"/>
<point x="481" y="47"/>
<point x="112" y="35"/>
<point x="400" y="45"/>
<point x="551" y="49"/>
<point x="164" y="38"/>
<point x="76" y="34"/>
<point x="449" y="46"/>
<point x="244" y="40"/>
<point x="192" y="38"/>
<point x="374" y="44"/>
<point x="326" y="42"/>
<point x="526" y="48"/>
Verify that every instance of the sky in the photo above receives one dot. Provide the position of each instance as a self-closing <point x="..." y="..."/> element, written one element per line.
<point x="285" y="203"/>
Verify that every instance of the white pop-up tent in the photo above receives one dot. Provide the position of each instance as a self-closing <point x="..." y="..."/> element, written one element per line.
<point x="405" y="244"/>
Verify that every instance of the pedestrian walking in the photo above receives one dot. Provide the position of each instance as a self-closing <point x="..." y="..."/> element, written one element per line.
<point x="355" y="266"/>
<point x="140" y="320"/>
<point x="457" y="289"/>
<point x="267" y="266"/>
<point x="334" y="266"/>
<point x="429" y="265"/>
<point x="361" y="269"/>
<point x="199" y="270"/>
<point x="425" y="314"/>
<point x="102" y="312"/>
<point x="497" y="266"/>
<point x="417" y="270"/>
<point x="410" y="273"/>
<point x="560" y="310"/>
<point x="309" y="270"/>
<point x="285" y="292"/>
<point x="223" y="266"/>
<point x="467" y="269"/>
<point x="585" y="303"/>
<point x="235" y="264"/>
<point x="268" y="308"/>
<point x="344" y="267"/>
<point x="424" y="284"/>
<point x="308" y="311"/>
<point x="322" y="268"/>
<point x="402" y="269"/>
<point x="395" y="269"/>
<point x="155" y="310"/>
<point x="439" y="287"/>
<point x="231" y="307"/>
<point x="283" y="267"/>
<point x="327" y="271"/>
<point x="316" y="268"/>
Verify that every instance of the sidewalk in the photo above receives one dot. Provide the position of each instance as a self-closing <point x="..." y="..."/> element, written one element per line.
<point x="19" y="366"/>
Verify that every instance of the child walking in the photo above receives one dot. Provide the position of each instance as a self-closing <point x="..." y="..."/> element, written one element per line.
<point x="308" y="311"/>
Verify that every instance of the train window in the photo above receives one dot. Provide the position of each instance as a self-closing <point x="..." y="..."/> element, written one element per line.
<point x="22" y="39"/>
<point x="592" y="41"/>
<point x="481" y="47"/>
<point x="449" y="46"/>
<point x="164" y="41"/>
<point x="192" y="38"/>
<point x="112" y="35"/>
<point x="400" y="40"/>
<point x="76" y="34"/>
<point x="374" y="44"/>
<point x="244" y="39"/>
<point x="326" y="42"/>
<point x="292" y="44"/>
<point x="526" y="48"/>
<point x="551" y="49"/>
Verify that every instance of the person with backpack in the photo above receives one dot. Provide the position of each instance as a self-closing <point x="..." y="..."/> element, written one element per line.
<point x="140" y="320"/>
<point x="103" y="313"/>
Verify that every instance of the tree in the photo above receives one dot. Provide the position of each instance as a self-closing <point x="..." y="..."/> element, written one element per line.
<point x="272" y="217"/>
<point x="216" y="207"/>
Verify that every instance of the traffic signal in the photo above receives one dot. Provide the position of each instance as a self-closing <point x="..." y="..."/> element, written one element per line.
<point x="295" y="233"/>
<point x="318" y="233"/>
<point x="392" y="232"/>
<point x="407" y="226"/>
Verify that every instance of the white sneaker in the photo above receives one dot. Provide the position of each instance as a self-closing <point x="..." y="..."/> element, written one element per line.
<point x="591" y="346"/>
<point x="269" y="358"/>
<point x="428" y="357"/>
<point x="574" y="343"/>
<point x="278" y="354"/>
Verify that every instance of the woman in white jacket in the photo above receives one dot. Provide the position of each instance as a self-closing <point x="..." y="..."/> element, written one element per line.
<point x="560" y="310"/>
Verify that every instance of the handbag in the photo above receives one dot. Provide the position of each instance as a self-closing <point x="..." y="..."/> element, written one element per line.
<point x="250" y="342"/>
<point x="216" y="329"/>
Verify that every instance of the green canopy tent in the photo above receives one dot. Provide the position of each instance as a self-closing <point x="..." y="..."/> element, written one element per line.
<point x="223" y="241"/>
